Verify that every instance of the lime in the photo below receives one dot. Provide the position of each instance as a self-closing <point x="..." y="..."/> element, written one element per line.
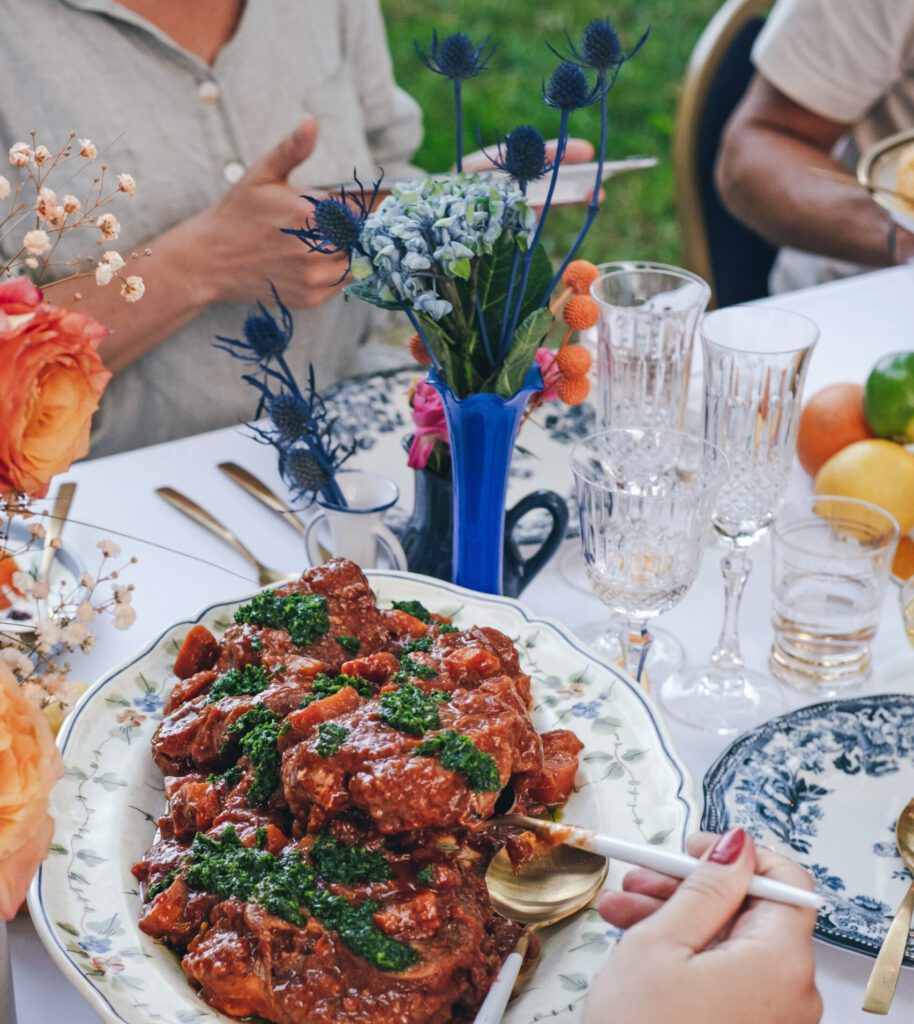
<point x="888" y="399"/>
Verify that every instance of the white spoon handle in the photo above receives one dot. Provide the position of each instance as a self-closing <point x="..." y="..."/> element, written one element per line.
<point x="678" y="865"/>
<point x="681" y="865"/>
<point x="496" y="1002"/>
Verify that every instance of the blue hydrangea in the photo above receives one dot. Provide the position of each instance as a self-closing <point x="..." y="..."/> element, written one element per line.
<point x="431" y="230"/>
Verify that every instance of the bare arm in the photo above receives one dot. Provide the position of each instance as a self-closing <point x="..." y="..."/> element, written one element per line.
<point x="225" y="253"/>
<point x="763" y="177"/>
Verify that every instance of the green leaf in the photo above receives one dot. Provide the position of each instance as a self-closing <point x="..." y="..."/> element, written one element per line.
<point x="494" y="281"/>
<point x="614" y="771"/>
<point x="527" y="339"/>
<point x="68" y="928"/>
<point x="365" y="291"/>
<point x="634" y="755"/>
<point x="91" y="858"/>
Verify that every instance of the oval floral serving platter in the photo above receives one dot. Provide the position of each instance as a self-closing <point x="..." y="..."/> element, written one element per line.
<point x="84" y="901"/>
<point x="825" y="785"/>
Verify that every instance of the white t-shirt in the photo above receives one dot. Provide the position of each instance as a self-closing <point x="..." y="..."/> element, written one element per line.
<point x="851" y="61"/>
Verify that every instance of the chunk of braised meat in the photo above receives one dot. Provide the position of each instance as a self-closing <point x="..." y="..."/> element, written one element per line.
<point x="165" y="856"/>
<point x="251" y="963"/>
<point x="177" y="913"/>
<point x="553" y="783"/>
<point x="375" y="770"/>
<point x="464" y="660"/>
<point x="193" y="804"/>
<point x="197" y="733"/>
<point x="351" y="609"/>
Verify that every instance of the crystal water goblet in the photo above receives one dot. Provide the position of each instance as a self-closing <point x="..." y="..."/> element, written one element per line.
<point x="755" y="362"/>
<point x="648" y="316"/>
<point x="645" y="499"/>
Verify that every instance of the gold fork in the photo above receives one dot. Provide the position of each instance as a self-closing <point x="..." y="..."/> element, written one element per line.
<point x="190" y="508"/>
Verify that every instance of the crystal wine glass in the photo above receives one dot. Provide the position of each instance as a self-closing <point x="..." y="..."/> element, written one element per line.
<point x="648" y="315"/>
<point x="755" y="361"/>
<point x="645" y="499"/>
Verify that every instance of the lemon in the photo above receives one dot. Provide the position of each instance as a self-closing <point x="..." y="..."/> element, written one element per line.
<point x="878" y="471"/>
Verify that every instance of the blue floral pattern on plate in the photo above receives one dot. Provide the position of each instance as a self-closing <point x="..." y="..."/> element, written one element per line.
<point x="541" y="458"/>
<point x="821" y="784"/>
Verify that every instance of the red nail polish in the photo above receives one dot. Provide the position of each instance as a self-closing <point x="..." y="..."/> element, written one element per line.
<point x="728" y="848"/>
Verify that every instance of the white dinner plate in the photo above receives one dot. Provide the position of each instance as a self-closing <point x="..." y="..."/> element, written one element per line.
<point x="879" y="166"/>
<point x="825" y="785"/>
<point x="85" y="901"/>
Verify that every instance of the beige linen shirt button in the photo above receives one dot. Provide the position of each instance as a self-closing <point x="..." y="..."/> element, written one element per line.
<point x="208" y="91"/>
<point x="233" y="172"/>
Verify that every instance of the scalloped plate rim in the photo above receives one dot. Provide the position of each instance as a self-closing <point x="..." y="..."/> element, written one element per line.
<point x="96" y="999"/>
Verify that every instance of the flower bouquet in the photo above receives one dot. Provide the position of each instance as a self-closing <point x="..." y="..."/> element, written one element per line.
<point x="51" y="380"/>
<point x="462" y="257"/>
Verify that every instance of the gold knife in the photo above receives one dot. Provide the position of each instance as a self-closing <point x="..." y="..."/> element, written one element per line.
<point x="259" y="490"/>
<point x="208" y="521"/>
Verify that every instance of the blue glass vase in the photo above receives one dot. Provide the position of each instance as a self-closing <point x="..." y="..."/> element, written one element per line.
<point x="482" y="430"/>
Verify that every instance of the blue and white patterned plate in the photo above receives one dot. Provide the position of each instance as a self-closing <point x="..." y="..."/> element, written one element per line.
<point x="825" y="785"/>
<point x="541" y="460"/>
<point x="84" y="901"/>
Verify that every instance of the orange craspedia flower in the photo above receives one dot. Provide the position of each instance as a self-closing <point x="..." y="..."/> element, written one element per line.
<point x="418" y="351"/>
<point x="581" y="312"/>
<point x="573" y="361"/>
<point x="580" y="275"/>
<point x="573" y="390"/>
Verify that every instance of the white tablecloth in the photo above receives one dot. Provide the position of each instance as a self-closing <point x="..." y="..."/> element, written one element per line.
<point x="860" y="320"/>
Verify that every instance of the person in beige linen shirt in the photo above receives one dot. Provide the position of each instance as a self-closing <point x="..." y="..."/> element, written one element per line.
<point x="224" y="111"/>
<point x="833" y="76"/>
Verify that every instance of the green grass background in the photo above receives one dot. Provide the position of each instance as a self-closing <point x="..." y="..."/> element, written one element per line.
<point x="638" y="218"/>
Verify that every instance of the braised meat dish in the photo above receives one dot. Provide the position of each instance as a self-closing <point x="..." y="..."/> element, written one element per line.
<point x="330" y="767"/>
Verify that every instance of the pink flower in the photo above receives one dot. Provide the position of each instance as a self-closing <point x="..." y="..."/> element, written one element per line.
<point x="30" y="764"/>
<point x="431" y="426"/>
<point x="18" y="296"/>
<point x="545" y="357"/>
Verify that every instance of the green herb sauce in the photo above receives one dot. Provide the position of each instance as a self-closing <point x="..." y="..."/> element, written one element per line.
<point x="410" y="669"/>
<point x="350" y="644"/>
<point x="423" y="644"/>
<point x="349" y="865"/>
<point x="303" y="616"/>
<point x="325" y="686"/>
<point x="247" y="681"/>
<point x="163" y="883"/>
<point x="287" y="887"/>
<point x="258" y="730"/>
<point x="330" y="738"/>
<point x="411" y="710"/>
<point x="414" y="608"/>
<point x="460" y="754"/>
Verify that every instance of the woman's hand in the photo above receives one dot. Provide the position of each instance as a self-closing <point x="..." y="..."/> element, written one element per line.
<point x="699" y="952"/>
<point x="241" y="243"/>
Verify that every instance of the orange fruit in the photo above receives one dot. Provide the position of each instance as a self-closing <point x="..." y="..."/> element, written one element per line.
<point x="903" y="563"/>
<point x="581" y="312"/>
<point x="580" y="275"/>
<point x="831" y="420"/>
<point x="878" y="471"/>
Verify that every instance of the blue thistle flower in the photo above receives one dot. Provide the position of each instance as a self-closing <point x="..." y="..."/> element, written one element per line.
<point x="302" y="471"/>
<point x="523" y="155"/>
<point x="455" y="57"/>
<point x="264" y="338"/>
<point x="600" y="48"/>
<point x="289" y="415"/>
<point x="568" y="88"/>
<point x="336" y="222"/>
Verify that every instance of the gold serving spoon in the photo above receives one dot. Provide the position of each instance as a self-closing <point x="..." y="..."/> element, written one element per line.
<point x="182" y="503"/>
<point x="548" y="889"/>
<point x="880" y="989"/>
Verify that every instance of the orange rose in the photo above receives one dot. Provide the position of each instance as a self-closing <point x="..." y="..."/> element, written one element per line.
<point x="51" y="378"/>
<point x="30" y="764"/>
